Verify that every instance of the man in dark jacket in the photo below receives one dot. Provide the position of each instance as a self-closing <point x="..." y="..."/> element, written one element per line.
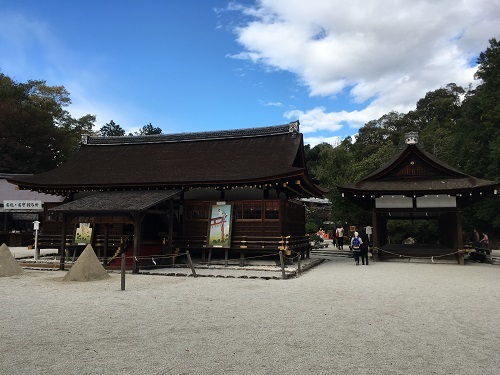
<point x="364" y="247"/>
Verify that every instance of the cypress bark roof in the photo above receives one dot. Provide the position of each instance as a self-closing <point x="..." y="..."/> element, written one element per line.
<point x="117" y="201"/>
<point x="208" y="159"/>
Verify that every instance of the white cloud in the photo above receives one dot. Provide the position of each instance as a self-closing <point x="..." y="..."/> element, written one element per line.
<point x="273" y="104"/>
<point x="314" y="141"/>
<point x="318" y="118"/>
<point x="386" y="55"/>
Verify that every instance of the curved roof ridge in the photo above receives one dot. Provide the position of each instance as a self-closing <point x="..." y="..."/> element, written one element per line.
<point x="412" y="148"/>
<point x="292" y="127"/>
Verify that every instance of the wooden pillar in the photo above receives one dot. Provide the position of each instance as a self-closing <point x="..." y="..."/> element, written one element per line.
<point x="457" y="240"/>
<point x="442" y="229"/>
<point x="181" y="215"/>
<point x="375" y="230"/>
<point x="379" y="233"/>
<point x="460" y="237"/>
<point x="137" y="241"/>
<point x="106" y="239"/>
<point x="376" y="235"/>
<point x="62" y="248"/>
<point x="5" y="222"/>
<point x="170" y="230"/>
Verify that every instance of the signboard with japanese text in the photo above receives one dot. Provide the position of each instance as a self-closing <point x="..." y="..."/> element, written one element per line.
<point x="22" y="205"/>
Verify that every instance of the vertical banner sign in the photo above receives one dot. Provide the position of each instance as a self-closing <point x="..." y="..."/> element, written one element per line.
<point x="219" y="229"/>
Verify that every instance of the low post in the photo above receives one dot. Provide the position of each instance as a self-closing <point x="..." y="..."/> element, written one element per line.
<point x="191" y="264"/>
<point x="282" y="262"/>
<point x="461" y="261"/>
<point x="209" y="256"/>
<point x="123" y="272"/>
<point x="225" y="257"/>
<point x="36" y="227"/>
<point x="299" y="267"/>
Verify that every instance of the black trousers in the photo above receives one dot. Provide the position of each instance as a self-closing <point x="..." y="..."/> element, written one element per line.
<point x="340" y="242"/>
<point x="364" y="256"/>
<point x="356" y="256"/>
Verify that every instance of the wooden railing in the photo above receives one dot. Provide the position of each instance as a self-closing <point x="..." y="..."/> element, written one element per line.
<point x="289" y="245"/>
<point x="101" y="247"/>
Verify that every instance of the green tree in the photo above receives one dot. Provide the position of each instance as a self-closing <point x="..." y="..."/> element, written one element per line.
<point x="149" y="130"/>
<point x="479" y="130"/>
<point x="36" y="132"/>
<point x="478" y="137"/>
<point x="436" y="119"/>
<point x="111" y="129"/>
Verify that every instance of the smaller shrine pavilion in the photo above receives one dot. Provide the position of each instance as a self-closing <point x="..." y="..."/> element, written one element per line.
<point x="416" y="185"/>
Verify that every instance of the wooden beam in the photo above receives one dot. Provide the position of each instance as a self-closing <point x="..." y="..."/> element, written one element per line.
<point x="62" y="249"/>
<point x="170" y="229"/>
<point x="106" y="239"/>
<point x="460" y="239"/>
<point x="137" y="241"/>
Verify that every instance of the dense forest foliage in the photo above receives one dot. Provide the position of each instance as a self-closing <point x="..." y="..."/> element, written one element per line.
<point x="460" y="126"/>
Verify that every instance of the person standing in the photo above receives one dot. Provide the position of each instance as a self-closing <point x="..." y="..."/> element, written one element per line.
<point x="339" y="233"/>
<point x="477" y="238"/>
<point x="485" y="241"/>
<point x="356" y="243"/>
<point x="365" y="246"/>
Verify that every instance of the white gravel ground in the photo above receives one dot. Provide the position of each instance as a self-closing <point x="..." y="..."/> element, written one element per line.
<point x="387" y="318"/>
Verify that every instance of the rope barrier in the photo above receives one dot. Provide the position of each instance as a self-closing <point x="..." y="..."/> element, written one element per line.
<point x="142" y="257"/>
<point x="149" y="257"/>
<point x="258" y="256"/>
<point x="431" y="258"/>
<point x="156" y="259"/>
<point x="30" y="241"/>
<point x="293" y="257"/>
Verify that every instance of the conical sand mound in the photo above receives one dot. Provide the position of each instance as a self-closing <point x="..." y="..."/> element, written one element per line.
<point x="86" y="268"/>
<point x="8" y="264"/>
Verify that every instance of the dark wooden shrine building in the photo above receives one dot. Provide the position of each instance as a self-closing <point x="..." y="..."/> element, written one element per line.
<point x="416" y="185"/>
<point x="233" y="190"/>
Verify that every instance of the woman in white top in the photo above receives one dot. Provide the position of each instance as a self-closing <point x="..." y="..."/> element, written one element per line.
<point x="340" y="237"/>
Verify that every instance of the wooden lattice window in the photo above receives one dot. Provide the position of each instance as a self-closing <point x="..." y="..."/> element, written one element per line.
<point x="411" y="169"/>
<point x="252" y="210"/>
<point x="272" y="210"/>
<point x="196" y="210"/>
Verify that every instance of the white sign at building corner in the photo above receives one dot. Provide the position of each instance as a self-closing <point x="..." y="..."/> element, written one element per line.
<point x="22" y="205"/>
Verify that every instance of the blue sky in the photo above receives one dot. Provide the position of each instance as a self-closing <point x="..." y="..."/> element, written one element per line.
<point x="196" y="65"/>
